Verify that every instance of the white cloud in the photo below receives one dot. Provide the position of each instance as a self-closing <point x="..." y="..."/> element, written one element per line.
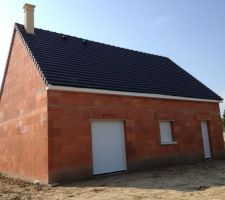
<point x="163" y="20"/>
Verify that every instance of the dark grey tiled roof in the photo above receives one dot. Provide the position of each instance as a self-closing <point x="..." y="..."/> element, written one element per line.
<point x="70" y="61"/>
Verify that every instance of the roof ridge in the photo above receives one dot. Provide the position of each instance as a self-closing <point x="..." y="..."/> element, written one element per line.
<point x="102" y="43"/>
<point x="31" y="54"/>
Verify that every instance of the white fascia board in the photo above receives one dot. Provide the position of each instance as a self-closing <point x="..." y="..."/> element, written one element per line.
<point x="135" y="94"/>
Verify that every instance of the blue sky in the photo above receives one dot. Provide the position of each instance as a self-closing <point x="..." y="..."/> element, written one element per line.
<point x="190" y="32"/>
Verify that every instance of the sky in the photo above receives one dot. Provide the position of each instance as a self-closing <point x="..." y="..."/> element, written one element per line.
<point x="190" y="32"/>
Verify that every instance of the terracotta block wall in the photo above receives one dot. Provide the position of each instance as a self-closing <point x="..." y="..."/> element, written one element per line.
<point x="46" y="135"/>
<point x="23" y="118"/>
<point x="70" y="115"/>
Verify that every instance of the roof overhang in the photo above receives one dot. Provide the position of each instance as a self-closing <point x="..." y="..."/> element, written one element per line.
<point x="110" y="92"/>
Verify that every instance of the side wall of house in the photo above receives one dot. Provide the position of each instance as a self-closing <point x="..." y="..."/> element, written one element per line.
<point x="23" y="118"/>
<point x="70" y="145"/>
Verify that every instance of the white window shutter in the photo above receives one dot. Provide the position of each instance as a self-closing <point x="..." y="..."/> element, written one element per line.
<point x="165" y="132"/>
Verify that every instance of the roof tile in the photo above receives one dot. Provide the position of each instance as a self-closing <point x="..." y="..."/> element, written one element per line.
<point x="70" y="61"/>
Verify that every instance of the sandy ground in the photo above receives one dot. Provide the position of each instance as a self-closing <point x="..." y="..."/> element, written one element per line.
<point x="200" y="181"/>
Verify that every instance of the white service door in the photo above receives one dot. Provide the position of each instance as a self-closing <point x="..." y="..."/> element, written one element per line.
<point x="205" y="137"/>
<point x="108" y="147"/>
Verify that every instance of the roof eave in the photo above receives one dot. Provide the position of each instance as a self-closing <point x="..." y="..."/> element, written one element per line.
<point x="32" y="56"/>
<point x="122" y="93"/>
<point x="8" y="58"/>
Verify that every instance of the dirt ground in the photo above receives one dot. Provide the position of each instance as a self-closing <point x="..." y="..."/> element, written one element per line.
<point x="199" y="181"/>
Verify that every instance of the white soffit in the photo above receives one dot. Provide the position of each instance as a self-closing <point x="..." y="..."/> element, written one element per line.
<point x="110" y="92"/>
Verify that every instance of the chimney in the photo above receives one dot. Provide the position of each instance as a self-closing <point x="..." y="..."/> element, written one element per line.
<point x="29" y="18"/>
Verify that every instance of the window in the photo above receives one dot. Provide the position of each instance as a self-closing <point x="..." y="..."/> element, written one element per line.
<point x="166" y="132"/>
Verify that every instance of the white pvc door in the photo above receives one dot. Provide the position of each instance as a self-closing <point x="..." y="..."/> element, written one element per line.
<point x="108" y="147"/>
<point x="205" y="137"/>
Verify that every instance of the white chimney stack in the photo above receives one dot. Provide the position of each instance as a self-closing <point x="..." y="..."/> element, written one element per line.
<point x="29" y="18"/>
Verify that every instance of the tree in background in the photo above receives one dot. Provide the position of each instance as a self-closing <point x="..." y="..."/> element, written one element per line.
<point x="223" y="120"/>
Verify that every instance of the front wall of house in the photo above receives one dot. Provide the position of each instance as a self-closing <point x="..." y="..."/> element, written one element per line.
<point x="70" y="145"/>
<point x="23" y="118"/>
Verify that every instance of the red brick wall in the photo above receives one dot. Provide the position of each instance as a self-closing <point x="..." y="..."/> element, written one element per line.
<point x="70" y="115"/>
<point x="23" y="118"/>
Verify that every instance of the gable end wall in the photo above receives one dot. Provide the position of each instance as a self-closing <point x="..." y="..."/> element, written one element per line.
<point x="23" y="117"/>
